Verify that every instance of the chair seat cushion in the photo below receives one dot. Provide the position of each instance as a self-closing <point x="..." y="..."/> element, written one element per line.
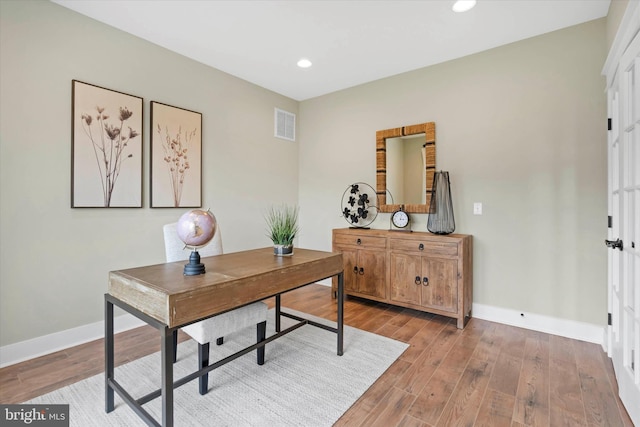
<point x="223" y="324"/>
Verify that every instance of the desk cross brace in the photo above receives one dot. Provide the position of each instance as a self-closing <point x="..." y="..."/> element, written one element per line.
<point x="211" y="367"/>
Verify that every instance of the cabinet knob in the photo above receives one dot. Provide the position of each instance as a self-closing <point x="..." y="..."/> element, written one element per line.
<point x="361" y="272"/>
<point x="355" y="269"/>
<point x="418" y="280"/>
<point x="421" y="247"/>
<point x="425" y="281"/>
<point x="359" y="241"/>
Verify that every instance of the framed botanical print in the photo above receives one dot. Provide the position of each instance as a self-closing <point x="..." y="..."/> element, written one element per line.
<point x="106" y="153"/>
<point x="176" y="157"/>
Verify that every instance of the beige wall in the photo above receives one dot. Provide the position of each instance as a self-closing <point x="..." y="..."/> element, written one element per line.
<point x="522" y="129"/>
<point x="54" y="260"/>
<point x="614" y="17"/>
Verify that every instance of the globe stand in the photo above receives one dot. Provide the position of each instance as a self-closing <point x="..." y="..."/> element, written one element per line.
<point x="194" y="267"/>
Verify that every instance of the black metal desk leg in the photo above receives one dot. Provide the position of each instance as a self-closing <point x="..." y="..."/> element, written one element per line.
<point x="340" y="312"/>
<point x="167" y="376"/>
<point x="108" y="355"/>
<point x="278" y="313"/>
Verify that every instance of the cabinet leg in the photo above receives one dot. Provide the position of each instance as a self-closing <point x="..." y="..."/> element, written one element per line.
<point x="462" y="321"/>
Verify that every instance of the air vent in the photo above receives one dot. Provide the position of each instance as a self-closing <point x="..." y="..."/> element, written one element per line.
<point x="285" y="124"/>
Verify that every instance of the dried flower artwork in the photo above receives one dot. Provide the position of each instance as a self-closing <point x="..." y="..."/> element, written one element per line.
<point x="176" y="158"/>
<point x="176" y="145"/>
<point x="107" y="148"/>
<point x="110" y="152"/>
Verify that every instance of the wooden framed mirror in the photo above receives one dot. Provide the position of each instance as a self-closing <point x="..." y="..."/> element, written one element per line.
<point x="405" y="165"/>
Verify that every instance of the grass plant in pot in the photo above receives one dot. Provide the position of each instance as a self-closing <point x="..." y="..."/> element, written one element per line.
<point x="282" y="225"/>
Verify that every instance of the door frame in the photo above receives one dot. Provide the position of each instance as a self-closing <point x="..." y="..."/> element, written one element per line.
<point x="629" y="26"/>
<point x="615" y="334"/>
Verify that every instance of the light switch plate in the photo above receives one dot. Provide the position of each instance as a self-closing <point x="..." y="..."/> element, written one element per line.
<point x="477" y="208"/>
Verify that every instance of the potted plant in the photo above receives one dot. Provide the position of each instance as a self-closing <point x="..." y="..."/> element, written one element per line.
<point x="282" y="225"/>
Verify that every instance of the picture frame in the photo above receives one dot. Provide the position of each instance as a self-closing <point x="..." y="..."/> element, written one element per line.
<point x="106" y="147"/>
<point x="176" y="157"/>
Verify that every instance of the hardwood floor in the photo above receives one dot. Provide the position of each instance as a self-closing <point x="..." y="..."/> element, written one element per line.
<point x="488" y="374"/>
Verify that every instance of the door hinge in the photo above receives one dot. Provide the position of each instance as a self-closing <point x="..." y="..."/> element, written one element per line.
<point x="609" y="221"/>
<point x="608" y="124"/>
<point x="609" y="319"/>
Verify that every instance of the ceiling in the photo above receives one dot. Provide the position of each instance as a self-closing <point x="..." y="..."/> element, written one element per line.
<point x="349" y="42"/>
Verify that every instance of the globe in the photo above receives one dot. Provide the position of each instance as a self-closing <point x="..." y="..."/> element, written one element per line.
<point x="196" y="228"/>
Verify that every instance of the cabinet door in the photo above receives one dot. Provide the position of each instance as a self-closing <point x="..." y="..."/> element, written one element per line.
<point x="441" y="288"/>
<point x="349" y="259"/>
<point x="372" y="273"/>
<point x="406" y="278"/>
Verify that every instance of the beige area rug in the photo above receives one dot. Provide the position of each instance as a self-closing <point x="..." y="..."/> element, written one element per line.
<point x="302" y="383"/>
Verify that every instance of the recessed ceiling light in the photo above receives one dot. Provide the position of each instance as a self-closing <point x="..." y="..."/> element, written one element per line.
<point x="463" y="5"/>
<point x="304" y="63"/>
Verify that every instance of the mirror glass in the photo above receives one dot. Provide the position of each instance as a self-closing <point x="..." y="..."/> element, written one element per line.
<point x="405" y="166"/>
<point x="406" y="162"/>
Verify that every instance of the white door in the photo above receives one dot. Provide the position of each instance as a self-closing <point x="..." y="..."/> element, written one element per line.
<point x="624" y="231"/>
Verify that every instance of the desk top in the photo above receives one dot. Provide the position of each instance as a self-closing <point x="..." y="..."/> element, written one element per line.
<point x="231" y="281"/>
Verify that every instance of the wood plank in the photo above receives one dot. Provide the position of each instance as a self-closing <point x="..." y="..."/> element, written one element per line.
<point x="608" y="366"/>
<point x="463" y="406"/>
<point x="409" y="421"/>
<point x="565" y="394"/>
<point x="496" y="410"/>
<point x="374" y="323"/>
<point x="561" y="348"/>
<point x="532" y="397"/>
<point x="597" y="394"/>
<point x="391" y="410"/>
<point x="566" y="406"/>
<point x="408" y="331"/>
<point x="399" y="320"/>
<point x="505" y="380"/>
<point x="458" y="357"/>
<point x="433" y="398"/>
<point x="423" y="368"/>
<point x="490" y="344"/>
<point x="423" y="339"/>
<point x="513" y="341"/>
<point x="377" y="393"/>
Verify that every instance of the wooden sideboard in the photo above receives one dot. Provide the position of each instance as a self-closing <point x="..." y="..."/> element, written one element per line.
<point x="422" y="271"/>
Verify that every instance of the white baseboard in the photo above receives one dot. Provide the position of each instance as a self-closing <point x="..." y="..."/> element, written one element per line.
<point x="551" y="325"/>
<point x="29" y="349"/>
<point x="582" y="331"/>
<point x="25" y="350"/>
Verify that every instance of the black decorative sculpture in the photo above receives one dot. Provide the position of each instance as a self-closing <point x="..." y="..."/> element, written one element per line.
<point x="441" y="219"/>
<point x="357" y="208"/>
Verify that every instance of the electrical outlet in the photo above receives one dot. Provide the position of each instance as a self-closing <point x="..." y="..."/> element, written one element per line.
<point x="477" y="208"/>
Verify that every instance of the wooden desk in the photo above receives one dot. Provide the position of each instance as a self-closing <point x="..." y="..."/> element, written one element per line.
<point x="167" y="300"/>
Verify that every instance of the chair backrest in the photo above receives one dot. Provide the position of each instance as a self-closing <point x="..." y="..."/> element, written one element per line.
<point x="175" y="250"/>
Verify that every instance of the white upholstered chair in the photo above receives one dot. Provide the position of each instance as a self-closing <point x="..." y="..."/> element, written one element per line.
<point x="215" y="328"/>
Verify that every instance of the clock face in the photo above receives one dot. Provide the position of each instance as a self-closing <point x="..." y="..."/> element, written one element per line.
<point x="400" y="219"/>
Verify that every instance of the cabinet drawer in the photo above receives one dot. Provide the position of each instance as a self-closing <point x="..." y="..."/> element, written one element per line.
<point x="361" y="241"/>
<point x="428" y="248"/>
